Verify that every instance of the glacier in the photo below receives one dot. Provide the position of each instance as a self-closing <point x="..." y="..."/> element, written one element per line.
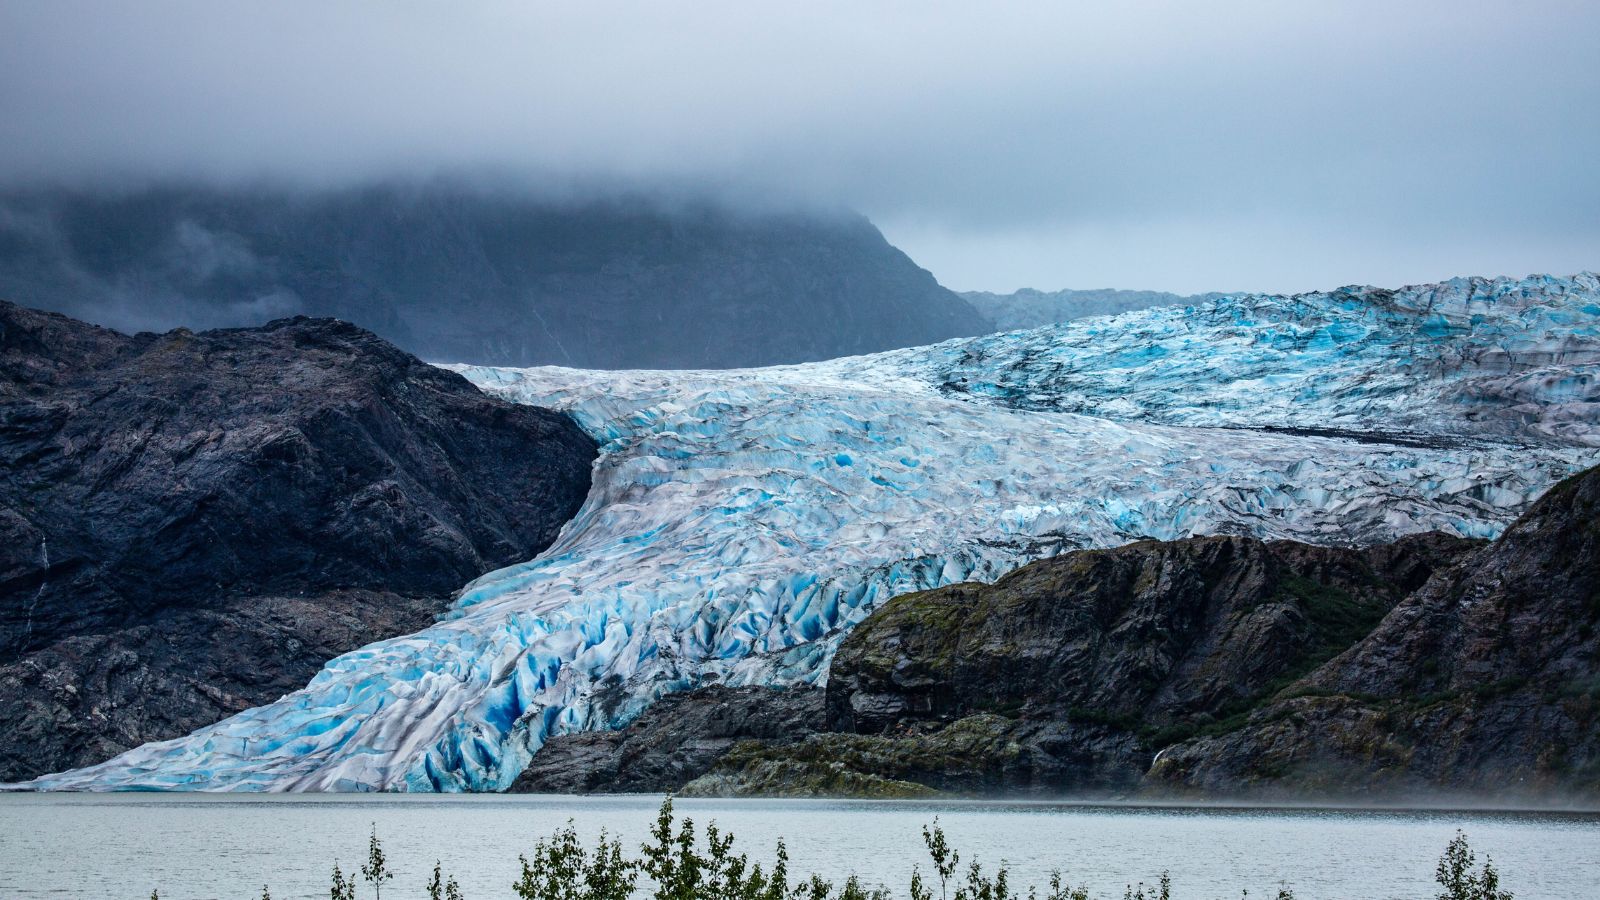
<point x="741" y="521"/>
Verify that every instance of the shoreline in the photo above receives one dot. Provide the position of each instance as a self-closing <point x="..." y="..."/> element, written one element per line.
<point x="1221" y="806"/>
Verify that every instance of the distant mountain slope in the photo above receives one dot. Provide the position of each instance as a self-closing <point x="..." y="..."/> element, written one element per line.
<point x="456" y="274"/>
<point x="192" y="524"/>
<point x="1029" y="308"/>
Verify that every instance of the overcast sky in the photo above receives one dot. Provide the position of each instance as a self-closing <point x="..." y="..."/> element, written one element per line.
<point x="1278" y="146"/>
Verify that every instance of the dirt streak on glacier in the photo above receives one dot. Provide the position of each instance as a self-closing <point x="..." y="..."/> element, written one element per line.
<point x="741" y="521"/>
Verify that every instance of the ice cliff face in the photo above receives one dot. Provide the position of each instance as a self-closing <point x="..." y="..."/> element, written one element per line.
<point x="741" y="521"/>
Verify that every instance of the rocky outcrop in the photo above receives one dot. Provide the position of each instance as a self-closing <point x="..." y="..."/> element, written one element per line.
<point x="192" y="523"/>
<point x="1487" y="679"/>
<point x="971" y="755"/>
<point x="673" y="742"/>
<point x="492" y="275"/>
<point x="1154" y="633"/>
<point x="1069" y="674"/>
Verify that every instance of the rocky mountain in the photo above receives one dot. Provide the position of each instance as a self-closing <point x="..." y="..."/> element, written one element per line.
<point x="1030" y="308"/>
<point x="191" y="524"/>
<point x="458" y="273"/>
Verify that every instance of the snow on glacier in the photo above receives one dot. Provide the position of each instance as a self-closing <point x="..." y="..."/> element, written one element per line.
<point x="741" y="521"/>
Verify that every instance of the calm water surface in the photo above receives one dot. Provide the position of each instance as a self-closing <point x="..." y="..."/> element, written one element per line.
<point x="123" y="846"/>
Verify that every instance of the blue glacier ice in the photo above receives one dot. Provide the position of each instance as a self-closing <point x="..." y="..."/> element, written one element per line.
<point x="740" y="522"/>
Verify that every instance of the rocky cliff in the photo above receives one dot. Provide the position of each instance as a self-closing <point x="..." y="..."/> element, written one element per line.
<point x="458" y="273"/>
<point x="1487" y="679"/>
<point x="192" y="523"/>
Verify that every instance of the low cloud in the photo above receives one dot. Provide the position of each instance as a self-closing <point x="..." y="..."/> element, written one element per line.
<point x="1242" y="145"/>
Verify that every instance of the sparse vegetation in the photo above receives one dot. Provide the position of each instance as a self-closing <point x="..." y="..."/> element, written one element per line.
<point x="679" y="866"/>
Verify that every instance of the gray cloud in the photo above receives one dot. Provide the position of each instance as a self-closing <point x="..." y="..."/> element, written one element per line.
<point x="1182" y="146"/>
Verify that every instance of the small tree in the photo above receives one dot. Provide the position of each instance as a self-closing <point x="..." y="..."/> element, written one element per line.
<point x="265" y="894"/>
<point x="944" y="858"/>
<point x="562" y="869"/>
<point x="343" y="888"/>
<point x="777" y="886"/>
<point x="441" y="888"/>
<point x="1161" y="891"/>
<point x="1060" y="891"/>
<point x="1456" y="879"/>
<point x="670" y="859"/>
<point x="376" y="870"/>
<point x="854" y="891"/>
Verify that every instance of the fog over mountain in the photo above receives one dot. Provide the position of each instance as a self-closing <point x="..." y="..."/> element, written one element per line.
<point x="1243" y="145"/>
<point x="481" y="273"/>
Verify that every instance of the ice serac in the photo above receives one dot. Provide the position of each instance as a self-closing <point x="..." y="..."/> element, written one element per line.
<point x="740" y="522"/>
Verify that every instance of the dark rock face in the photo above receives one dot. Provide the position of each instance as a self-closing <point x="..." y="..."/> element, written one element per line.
<point x="191" y="524"/>
<point x="1157" y="632"/>
<point x="457" y="274"/>
<point x="1094" y="660"/>
<point x="972" y="754"/>
<point x="674" y="742"/>
<point x="1485" y="679"/>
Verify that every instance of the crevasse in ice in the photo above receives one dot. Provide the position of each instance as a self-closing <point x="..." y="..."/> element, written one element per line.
<point x="741" y="521"/>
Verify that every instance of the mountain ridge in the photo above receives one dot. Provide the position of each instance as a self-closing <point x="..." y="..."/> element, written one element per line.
<point x="457" y="272"/>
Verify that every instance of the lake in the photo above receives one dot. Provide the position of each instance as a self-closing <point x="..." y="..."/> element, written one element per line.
<point x="213" y="846"/>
